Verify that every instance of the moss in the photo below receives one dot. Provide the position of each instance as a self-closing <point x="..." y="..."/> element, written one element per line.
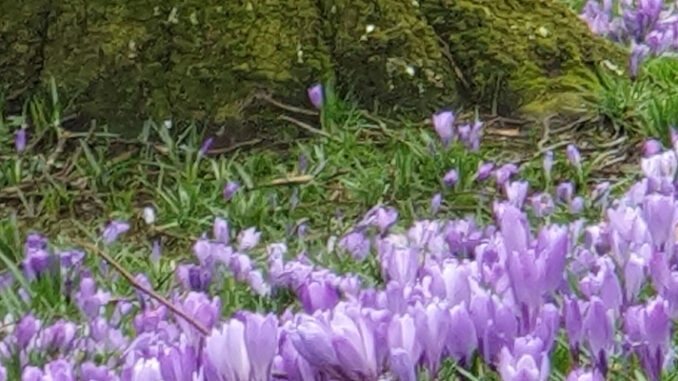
<point x="127" y="60"/>
<point x="221" y="51"/>
<point x="195" y="59"/>
<point x="22" y="28"/>
<point x="109" y="58"/>
<point x="374" y="64"/>
<point x="514" y="52"/>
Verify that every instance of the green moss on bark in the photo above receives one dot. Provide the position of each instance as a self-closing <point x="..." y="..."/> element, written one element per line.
<point x="127" y="60"/>
<point x="396" y="63"/>
<point x="22" y="28"/>
<point x="514" y="52"/>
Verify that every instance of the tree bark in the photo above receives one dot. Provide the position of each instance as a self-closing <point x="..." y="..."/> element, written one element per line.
<point x="124" y="61"/>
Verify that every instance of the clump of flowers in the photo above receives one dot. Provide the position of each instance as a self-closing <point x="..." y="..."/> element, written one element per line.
<point x="649" y="27"/>
<point x="501" y="294"/>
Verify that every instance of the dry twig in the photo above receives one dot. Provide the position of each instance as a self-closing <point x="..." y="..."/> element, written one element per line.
<point x="161" y="299"/>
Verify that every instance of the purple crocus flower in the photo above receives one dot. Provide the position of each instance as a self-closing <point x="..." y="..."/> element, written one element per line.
<point x="433" y="324"/>
<point x="202" y="309"/>
<point x="316" y="95"/>
<point x="36" y="262"/>
<point x="31" y="373"/>
<point x="451" y="177"/>
<point x="317" y="295"/>
<point x="178" y="363"/>
<point x="3" y="373"/>
<point x="220" y="230"/>
<point x="599" y="331"/>
<point x="462" y="338"/>
<point x="156" y="251"/>
<point x="404" y="346"/>
<point x="436" y="201"/>
<point x="565" y="191"/>
<point x="20" y="140"/>
<point x="638" y="54"/>
<point x="92" y="372"/>
<point x="248" y="239"/>
<point x="89" y="299"/>
<point x="61" y="370"/>
<point x="226" y="355"/>
<point x="58" y="336"/>
<point x="484" y="171"/>
<point x="146" y="369"/>
<point x="356" y="243"/>
<point x="113" y="230"/>
<point x="516" y="192"/>
<point x="26" y="329"/>
<point x="542" y="204"/>
<point x="193" y="277"/>
<point x="385" y="218"/>
<point x="204" y="149"/>
<point x="577" y="205"/>
<point x="573" y="155"/>
<point x="523" y="368"/>
<point x="230" y="189"/>
<point x="261" y="340"/>
<point x="504" y="173"/>
<point x="443" y="123"/>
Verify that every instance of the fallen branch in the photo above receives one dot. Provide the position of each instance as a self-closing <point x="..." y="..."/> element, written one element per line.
<point x="306" y="126"/>
<point x="298" y="110"/>
<point x="199" y="326"/>
<point x="303" y="179"/>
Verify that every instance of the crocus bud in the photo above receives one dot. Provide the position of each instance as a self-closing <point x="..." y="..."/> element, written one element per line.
<point x="573" y="155"/>
<point x="316" y="95"/>
<point x="564" y="191"/>
<point x="451" y="178"/>
<point x="303" y="163"/>
<point x="484" y="171"/>
<point x="230" y="189"/>
<point x="156" y="251"/>
<point x="113" y="230"/>
<point x="504" y="173"/>
<point x="220" y="230"/>
<point x="436" y="201"/>
<point x="548" y="162"/>
<point x="20" y="140"/>
<point x="27" y="328"/>
<point x="577" y="205"/>
<point x="206" y="146"/>
<point x="443" y="123"/>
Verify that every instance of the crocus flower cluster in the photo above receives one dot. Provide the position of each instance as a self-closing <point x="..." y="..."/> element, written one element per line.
<point x="647" y="26"/>
<point x="468" y="134"/>
<point x="501" y="293"/>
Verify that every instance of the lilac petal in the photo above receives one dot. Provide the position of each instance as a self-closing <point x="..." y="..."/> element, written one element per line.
<point x="316" y="95"/>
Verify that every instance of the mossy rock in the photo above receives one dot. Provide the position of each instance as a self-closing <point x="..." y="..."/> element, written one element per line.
<point x="204" y="60"/>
